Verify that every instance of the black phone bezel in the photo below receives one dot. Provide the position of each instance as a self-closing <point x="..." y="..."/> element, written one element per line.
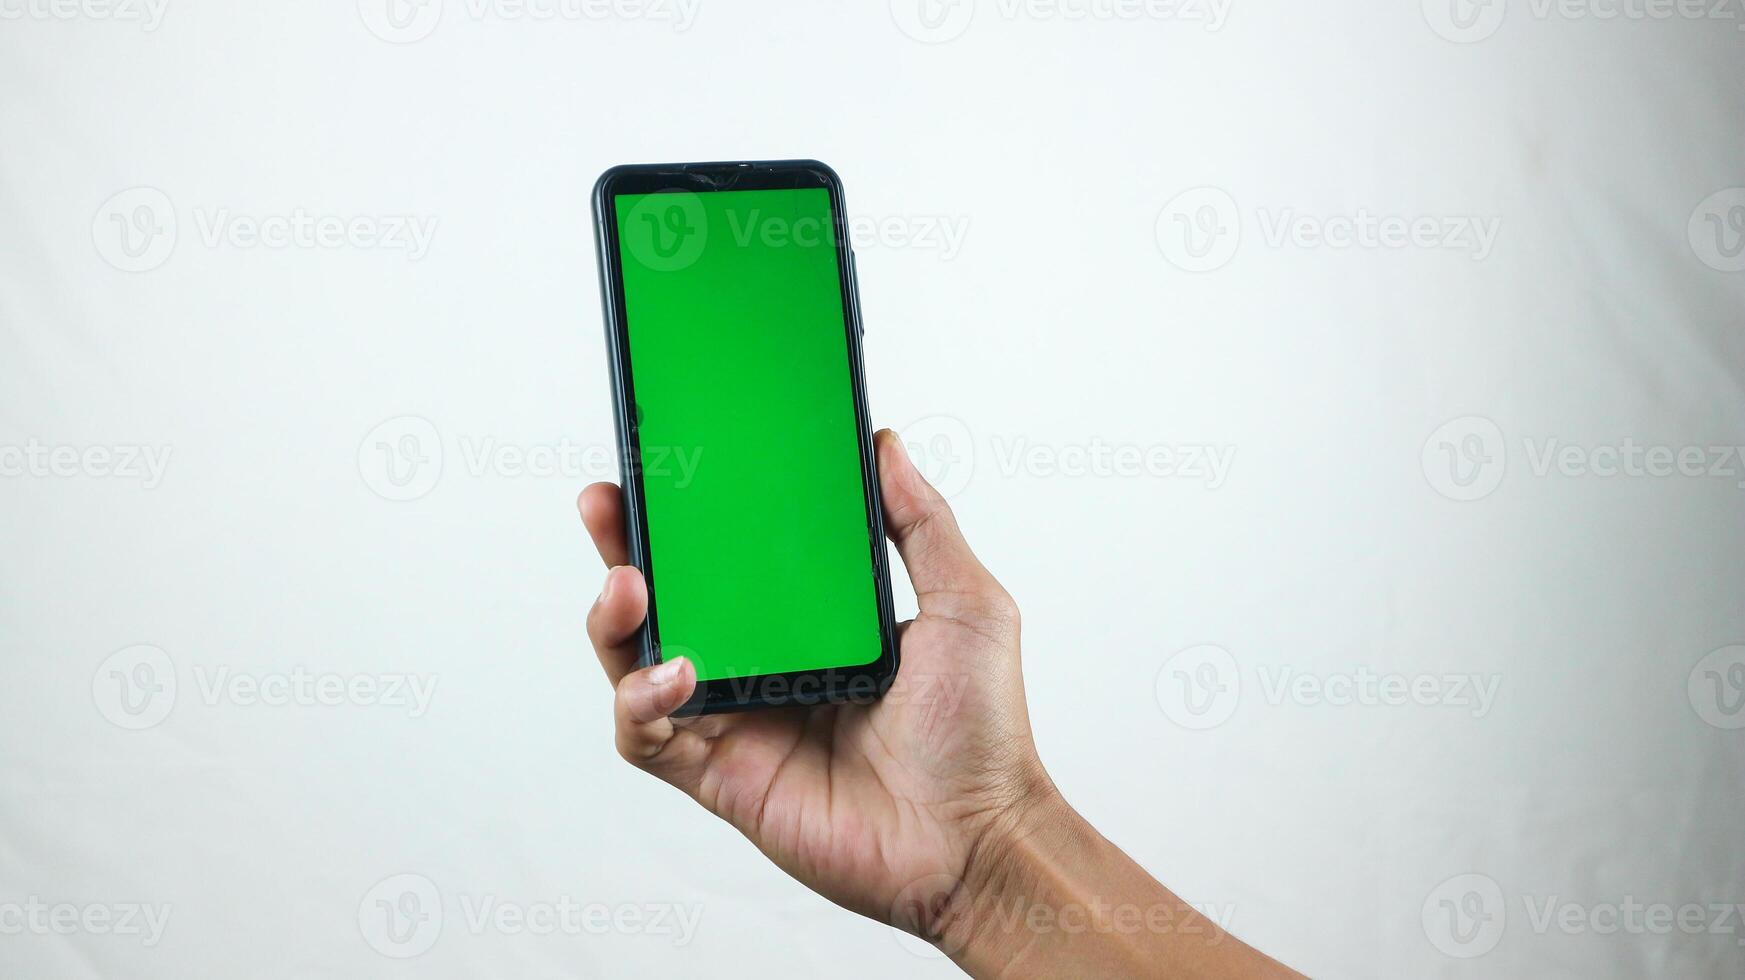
<point x="852" y="683"/>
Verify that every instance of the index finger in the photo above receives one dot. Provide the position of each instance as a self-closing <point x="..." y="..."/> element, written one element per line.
<point x="602" y="509"/>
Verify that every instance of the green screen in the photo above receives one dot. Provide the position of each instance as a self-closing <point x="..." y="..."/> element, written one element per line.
<point x="739" y="360"/>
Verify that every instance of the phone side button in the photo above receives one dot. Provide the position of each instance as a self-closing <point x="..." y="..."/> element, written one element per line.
<point x="854" y="289"/>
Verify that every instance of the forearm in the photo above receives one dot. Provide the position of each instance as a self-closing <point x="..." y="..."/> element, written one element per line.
<point x="1051" y="897"/>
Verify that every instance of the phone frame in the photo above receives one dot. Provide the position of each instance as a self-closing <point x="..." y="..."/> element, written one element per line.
<point x="861" y="683"/>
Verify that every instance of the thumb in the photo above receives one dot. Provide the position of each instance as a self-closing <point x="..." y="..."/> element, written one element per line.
<point x="920" y="523"/>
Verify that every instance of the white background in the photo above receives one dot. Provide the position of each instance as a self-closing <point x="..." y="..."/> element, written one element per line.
<point x="1360" y="389"/>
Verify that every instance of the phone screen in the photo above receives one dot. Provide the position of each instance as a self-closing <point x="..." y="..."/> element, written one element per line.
<point x="758" y="547"/>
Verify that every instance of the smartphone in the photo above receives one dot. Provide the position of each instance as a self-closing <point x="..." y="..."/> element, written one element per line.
<point x="751" y="494"/>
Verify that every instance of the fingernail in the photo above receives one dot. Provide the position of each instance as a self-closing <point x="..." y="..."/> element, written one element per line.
<point x="606" y="590"/>
<point x="665" y="672"/>
<point x="902" y="447"/>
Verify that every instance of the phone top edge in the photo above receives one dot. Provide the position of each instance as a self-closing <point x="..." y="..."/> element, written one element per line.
<point x="709" y="176"/>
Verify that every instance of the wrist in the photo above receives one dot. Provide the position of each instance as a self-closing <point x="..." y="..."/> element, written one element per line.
<point x="1020" y="859"/>
<point x="1045" y="895"/>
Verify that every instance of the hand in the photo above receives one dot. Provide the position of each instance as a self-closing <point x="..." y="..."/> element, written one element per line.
<point x="929" y="809"/>
<point x="886" y="809"/>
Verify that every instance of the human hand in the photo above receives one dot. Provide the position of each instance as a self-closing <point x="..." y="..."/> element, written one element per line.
<point x="894" y="809"/>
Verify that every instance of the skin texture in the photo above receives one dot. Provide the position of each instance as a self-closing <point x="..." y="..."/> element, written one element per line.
<point x="929" y="809"/>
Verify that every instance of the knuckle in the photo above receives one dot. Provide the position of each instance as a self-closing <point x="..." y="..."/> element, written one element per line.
<point x="989" y="609"/>
<point x="632" y="748"/>
<point x="600" y="632"/>
<point x="625" y="751"/>
<point x="999" y="607"/>
<point x="621" y="721"/>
